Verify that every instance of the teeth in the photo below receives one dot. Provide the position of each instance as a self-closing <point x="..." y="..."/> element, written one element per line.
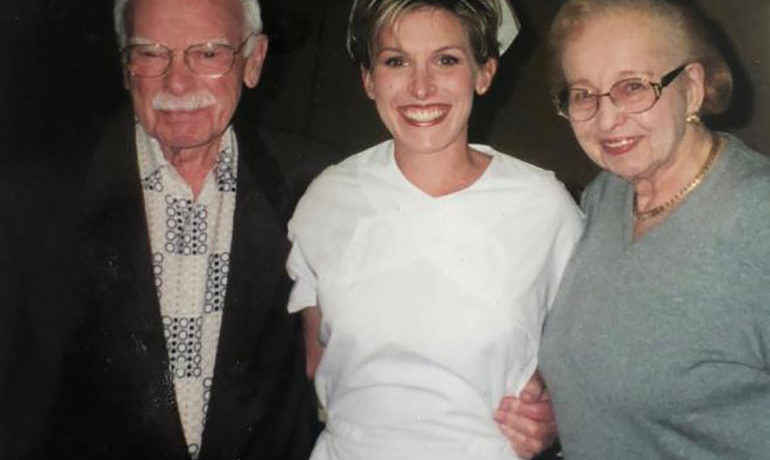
<point x="423" y="115"/>
<point x="619" y="143"/>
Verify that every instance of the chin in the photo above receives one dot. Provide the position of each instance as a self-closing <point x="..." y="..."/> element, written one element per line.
<point x="189" y="136"/>
<point x="182" y="141"/>
<point x="626" y="171"/>
<point x="428" y="143"/>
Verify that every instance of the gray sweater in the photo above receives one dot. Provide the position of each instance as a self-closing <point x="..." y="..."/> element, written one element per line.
<point x="660" y="348"/>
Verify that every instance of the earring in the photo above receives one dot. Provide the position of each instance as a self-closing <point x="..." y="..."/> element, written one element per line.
<point x="693" y="119"/>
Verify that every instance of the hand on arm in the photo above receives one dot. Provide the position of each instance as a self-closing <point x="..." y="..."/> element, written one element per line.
<point x="528" y="421"/>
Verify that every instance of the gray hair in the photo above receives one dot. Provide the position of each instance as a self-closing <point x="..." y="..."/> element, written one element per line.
<point x="252" y="21"/>
<point x="688" y="32"/>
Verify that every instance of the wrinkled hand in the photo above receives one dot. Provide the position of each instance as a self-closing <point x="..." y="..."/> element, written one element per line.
<point x="528" y="421"/>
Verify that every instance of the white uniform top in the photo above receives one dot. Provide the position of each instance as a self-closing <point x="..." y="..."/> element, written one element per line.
<point x="432" y="307"/>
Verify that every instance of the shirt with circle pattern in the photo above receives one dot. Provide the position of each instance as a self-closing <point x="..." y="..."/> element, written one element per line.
<point x="190" y="242"/>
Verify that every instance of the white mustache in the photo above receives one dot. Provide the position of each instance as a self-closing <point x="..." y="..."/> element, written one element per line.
<point x="165" y="101"/>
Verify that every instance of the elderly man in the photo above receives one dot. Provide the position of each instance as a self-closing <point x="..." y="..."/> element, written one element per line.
<point x="182" y="346"/>
<point x="185" y="349"/>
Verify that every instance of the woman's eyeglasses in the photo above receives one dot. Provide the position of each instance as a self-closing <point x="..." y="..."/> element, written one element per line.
<point x="632" y="95"/>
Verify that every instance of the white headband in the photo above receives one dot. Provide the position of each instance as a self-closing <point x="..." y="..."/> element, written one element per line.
<point x="509" y="26"/>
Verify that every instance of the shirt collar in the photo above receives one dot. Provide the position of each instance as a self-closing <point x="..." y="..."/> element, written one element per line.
<point x="151" y="157"/>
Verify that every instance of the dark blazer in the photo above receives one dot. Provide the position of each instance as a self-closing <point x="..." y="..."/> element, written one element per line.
<point x="114" y="397"/>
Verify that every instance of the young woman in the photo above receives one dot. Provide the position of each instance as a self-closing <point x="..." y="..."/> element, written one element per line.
<point x="425" y="265"/>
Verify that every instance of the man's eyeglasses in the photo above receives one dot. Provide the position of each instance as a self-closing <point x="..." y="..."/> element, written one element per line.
<point x="211" y="60"/>
<point x="632" y="95"/>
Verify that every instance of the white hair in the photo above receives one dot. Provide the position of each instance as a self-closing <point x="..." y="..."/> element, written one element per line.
<point x="252" y="21"/>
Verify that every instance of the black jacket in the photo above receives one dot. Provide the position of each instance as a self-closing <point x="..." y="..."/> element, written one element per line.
<point x="108" y="389"/>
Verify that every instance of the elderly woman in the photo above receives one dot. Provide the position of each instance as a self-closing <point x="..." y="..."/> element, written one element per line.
<point x="425" y="265"/>
<point x="658" y="345"/>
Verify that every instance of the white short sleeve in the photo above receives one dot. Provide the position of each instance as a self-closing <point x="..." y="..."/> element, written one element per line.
<point x="304" y="292"/>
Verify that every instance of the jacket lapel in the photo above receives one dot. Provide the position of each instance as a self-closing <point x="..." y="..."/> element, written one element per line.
<point x="256" y="285"/>
<point x="117" y="257"/>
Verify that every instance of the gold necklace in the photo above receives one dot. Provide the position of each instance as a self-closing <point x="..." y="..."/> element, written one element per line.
<point x="716" y="149"/>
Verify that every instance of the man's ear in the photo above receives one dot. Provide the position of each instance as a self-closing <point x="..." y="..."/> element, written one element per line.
<point x="367" y="81"/>
<point x="126" y="79"/>
<point x="254" y="61"/>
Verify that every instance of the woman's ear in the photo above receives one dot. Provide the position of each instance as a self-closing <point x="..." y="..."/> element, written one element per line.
<point x="696" y="86"/>
<point x="366" y="80"/>
<point x="484" y="76"/>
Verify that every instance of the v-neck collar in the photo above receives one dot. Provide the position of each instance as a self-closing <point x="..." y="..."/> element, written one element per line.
<point x="399" y="179"/>
<point x="682" y="210"/>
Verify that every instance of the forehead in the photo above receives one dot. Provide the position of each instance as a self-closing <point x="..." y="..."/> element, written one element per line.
<point x="426" y="26"/>
<point x="613" y="44"/>
<point x="186" y="21"/>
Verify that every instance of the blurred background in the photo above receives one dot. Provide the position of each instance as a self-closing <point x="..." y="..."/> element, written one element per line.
<point x="60" y="75"/>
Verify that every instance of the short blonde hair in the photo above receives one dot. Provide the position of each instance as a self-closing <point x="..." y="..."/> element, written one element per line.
<point x="480" y="19"/>
<point x="681" y="18"/>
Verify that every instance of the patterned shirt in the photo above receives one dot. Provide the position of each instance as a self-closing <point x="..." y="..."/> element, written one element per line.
<point x="190" y="241"/>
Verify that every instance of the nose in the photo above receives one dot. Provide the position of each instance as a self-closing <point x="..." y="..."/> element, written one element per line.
<point x="608" y="114"/>
<point x="422" y="84"/>
<point x="179" y="79"/>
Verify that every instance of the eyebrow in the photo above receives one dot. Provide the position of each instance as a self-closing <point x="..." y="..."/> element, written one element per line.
<point x="138" y="40"/>
<point x="626" y="74"/>
<point x="443" y="49"/>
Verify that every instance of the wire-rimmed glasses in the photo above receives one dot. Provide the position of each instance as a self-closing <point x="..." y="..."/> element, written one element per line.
<point x="211" y="60"/>
<point x="632" y="95"/>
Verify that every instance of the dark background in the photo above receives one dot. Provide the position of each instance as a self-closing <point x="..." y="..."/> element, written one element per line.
<point x="60" y="77"/>
<point x="60" y="74"/>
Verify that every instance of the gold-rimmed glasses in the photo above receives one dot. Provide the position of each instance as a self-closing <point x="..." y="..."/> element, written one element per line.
<point x="632" y="95"/>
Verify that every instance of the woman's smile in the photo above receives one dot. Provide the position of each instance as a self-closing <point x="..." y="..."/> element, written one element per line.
<point x="424" y="115"/>
<point x="620" y="145"/>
